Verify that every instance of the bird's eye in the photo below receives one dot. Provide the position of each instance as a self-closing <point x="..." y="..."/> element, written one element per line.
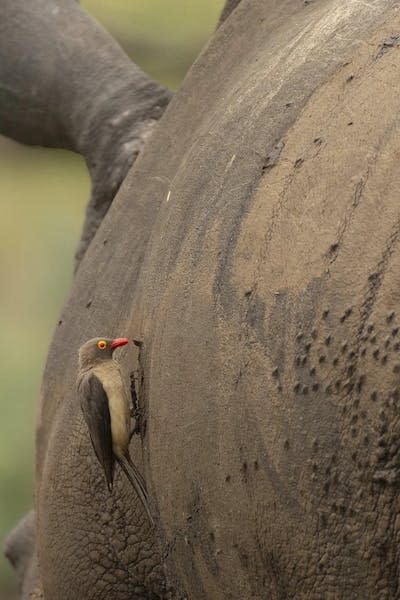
<point x="102" y="344"/>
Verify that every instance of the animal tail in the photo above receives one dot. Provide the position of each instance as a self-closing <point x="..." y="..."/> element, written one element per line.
<point x="137" y="482"/>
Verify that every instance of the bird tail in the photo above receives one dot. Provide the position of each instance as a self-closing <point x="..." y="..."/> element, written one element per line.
<point x="137" y="482"/>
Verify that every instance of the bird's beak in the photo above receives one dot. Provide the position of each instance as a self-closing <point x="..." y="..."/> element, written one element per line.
<point x="118" y="342"/>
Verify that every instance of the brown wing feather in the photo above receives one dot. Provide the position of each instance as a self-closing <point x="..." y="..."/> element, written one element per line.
<point x="94" y="404"/>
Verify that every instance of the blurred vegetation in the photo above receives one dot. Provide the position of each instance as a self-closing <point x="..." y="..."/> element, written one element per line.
<point x="43" y="195"/>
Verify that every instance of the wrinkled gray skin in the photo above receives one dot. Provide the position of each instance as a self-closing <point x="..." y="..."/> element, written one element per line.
<point x="255" y="249"/>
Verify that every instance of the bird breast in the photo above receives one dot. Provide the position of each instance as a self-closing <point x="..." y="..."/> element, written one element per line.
<point x="118" y="404"/>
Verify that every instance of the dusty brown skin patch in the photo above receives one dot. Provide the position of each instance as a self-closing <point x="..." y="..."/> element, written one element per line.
<point x="267" y="298"/>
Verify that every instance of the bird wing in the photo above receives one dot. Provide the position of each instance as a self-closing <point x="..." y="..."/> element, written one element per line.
<point x="94" y="404"/>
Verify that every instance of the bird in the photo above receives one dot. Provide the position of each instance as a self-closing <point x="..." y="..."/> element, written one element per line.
<point x="104" y="398"/>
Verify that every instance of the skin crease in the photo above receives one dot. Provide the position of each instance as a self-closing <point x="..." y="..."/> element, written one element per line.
<point x="259" y="262"/>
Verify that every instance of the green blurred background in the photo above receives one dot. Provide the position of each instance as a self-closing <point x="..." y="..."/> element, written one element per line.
<point x="43" y="195"/>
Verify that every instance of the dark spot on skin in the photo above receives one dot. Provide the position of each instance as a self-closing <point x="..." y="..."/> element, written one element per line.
<point x="275" y="372"/>
<point x="342" y="318"/>
<point x="307" y="347"/>
<point x="354" y="456"/>
<point x="350" y="123"/>
<point x="315" y="387"/>
<point x="317" y="140"/>
<point x="248" y="293"/>
<point x="286" y="445"/>
<point x="395" y="331"/>
<point x="390" y="317"/>
<point x="352" y="354"/>
<point x="328" y="340"/>
<point x="387" y="342"/>
<point x="333" y="248"/>
<point x="324" y="520"/>
<point x="363" y="352"/>
<point x="396" y="368"/>
<point x="375" y="354"/>
<point x="338" y="383"/>
<point x="305" y="390"/>
<point x="212" y="536"/>
<point x="89" y="304"/>
<point x="383" y="427"/>
<point x="381" y="454"/>
<point x="328" y="389"/>
<point x="384" y="359"/>
<point x="370" y="328"/>
<point x="396" y="394"/>
<point x="315" y="443"/>
<point x="297" y="361"/>
<point x="322" y="358"/>
<point x="312" y="372"/>
<point x="314" y="334"/>
<point x="299" y="336"/>
<point x="396" y="346"/>
<point x="105" y="242"/>
<point x="350" y="370"/>
<point x="343" y="348"/>
<point x="298" y="163"/>
<point x="256" y="466"/>
<point x="348" y="312"/>
<point x="60" y="322"/>
<point x="227" y="478"/>
<point x="325" y="314"/>
<point x="366" y="440"/>
<point x="354" y="419"/>
<point x="296" y="387"/>
<point x="360" y="383"/>
<point x="348" y="387"/>
<point x="350" y="78"/>
<point x="335" y="361"/>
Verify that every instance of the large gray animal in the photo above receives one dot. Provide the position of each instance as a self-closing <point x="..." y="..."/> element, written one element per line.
<point x="255" y="249"/>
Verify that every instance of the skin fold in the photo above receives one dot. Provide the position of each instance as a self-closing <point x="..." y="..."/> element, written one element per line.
<point x="254" y="249"/>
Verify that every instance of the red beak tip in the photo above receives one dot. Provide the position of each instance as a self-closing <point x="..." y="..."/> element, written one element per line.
<point x="119" y="342"/>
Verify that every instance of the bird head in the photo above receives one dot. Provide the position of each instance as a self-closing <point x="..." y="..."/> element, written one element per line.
<point x="98" y="349"/>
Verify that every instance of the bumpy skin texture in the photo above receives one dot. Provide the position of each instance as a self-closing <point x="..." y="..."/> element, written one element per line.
<point x="254" y="247"/>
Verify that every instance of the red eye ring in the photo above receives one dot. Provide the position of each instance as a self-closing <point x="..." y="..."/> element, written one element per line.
<point x="102" y="345"/>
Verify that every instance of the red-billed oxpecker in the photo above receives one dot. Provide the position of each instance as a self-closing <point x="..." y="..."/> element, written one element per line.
<point x="105" y="401"/>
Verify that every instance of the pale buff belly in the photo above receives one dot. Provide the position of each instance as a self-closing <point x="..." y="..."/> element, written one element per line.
<point x="119" y="413"/>
<point x="118" y="404"/>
